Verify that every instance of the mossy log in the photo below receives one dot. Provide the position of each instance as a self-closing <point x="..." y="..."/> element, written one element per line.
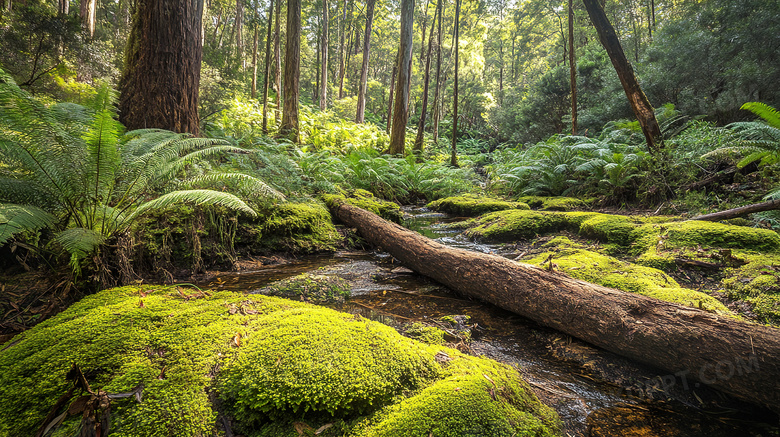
<point x="769" y="205"/>
<point x="733" y="356"/>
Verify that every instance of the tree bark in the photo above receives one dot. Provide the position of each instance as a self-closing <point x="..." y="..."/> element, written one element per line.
<point x="361" y="104"/>
<point x="736" y="357"/>
<point x="87" y="11"/>
<point x="254" y="62"/>
<point x="636" y="97"/>
<point x="391" y="95"/>
<point x="769" y="205"/>
<point x="267" y="68"/>
<point x="159" y="85"/>
<point x="292" y="62"/>
<point x="437" y="94"/>
<point x="239" y="34"/>
<point x="456" y="37"/>
<point x="572" y="70"/>
<point x="324" y="61"/>
<point x="278" y="57"/>
<point x="419" y="140"/>
<point x="400" y="116"/>
<point x="342" y="55"/>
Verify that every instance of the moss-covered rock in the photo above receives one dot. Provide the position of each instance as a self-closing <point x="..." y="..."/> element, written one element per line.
<point x="364" y="199"/>
<point x="611" y="272"/>
<point x="470" y="205"/>
<point x="311" y="288"/>
<point x="424" y="333"/>
<point x="294" y="227"/>
<point x="553" y="203"/>
<point x="276" y="363"/>
<point x="516" y="224"/>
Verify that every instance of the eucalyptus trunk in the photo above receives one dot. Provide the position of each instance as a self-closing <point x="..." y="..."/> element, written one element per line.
<point x="454" y="155"/>
<point x="159" y="88"/>
<point x="324" y="61"/>
<point x="419" y="140"/>
<point x="267" y="68"/>
<point x="292" y="61"/>
<point x="361" y="105"/>
<point x="400" y="114"/>
<point x="572" y="70"/>
<point x="278" y="66"/>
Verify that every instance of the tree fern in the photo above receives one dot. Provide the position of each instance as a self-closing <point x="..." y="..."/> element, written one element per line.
<point x="760" y="140"/>
<point x="17" y="218"/>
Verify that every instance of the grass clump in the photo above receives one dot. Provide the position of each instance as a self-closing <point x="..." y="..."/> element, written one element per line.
<point x="307" y="287"/>
<point x="611" y="272"/>
<point x="469" y="205"/>
<point x="364" y="199"/>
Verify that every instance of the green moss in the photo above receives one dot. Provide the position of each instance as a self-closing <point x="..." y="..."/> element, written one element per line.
<point x="767" y="307"/>
<point x="275" y="362"/>
<point x="310" y="288"/>
<point x="693" y="232"/>
<point x="553" y="203"/>
<point x="476" y="398"/>
<point x="517" y="224"/>
<point x="424" y="333"/>
<point x="470" y="205"/>
<point x="616" y="229"/>
<point x="611" y="272"/>
<point x="295" y="227"/>
<point x="364" y="199"/>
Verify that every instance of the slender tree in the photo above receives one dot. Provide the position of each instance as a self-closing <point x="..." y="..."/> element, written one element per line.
<point x="636" y="97"/>
<point x="254" y="54"/>
<point x="391" y="95"/>
<point x="419" y="140"/>
<point x="278" y="57"/>
<point x="267" y="69"/>
<point x="454" y="155"/>
<point x="400" y="115"/>
<point x="343" y="57"/>
<point x="437" y="93"/>
<point x="361" y="105"/>
<point x="572" y="70"/>
<point x="324" y="61"/>
<point x="159" y="88"/>
<point x="87" y="12"/>
<point x="292" y="62"/>
<point x="239" y="29"/>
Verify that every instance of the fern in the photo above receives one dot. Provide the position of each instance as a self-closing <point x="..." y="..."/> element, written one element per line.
<point x="17" y="218"/>
<point x="760" y="141"/>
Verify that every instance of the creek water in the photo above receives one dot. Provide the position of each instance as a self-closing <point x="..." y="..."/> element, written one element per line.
<point x="595" y="392"/>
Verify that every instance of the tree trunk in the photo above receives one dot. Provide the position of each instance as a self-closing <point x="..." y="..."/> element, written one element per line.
<point x="342" y="55"/>
<point x="400" y="116"/>
<point x="63" y="7"/>
<point x="437" y="95"/>
<point x="361" y="105"/>
<point x="456" y="37"/>
<point x="239" y="31"/>
<point x="419" y="140"/>
<point x="391" y="95"/>
<point x="572" y="70"/>
<point x="769" y="205"/>
<point x="267" y="68"/>
<point x="254" y="62"/>
<point x="159" y="85"/>
<point x="324" y="61"/>
<point x="278" y="57"/>
<point x="737" y="357"/>
<point x="87" y="10"/>
<point x="641" y="106"/>
<point x="292" y="61"/>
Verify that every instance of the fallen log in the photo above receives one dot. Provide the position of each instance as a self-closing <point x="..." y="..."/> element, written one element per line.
<point x="769" y="205"/>
<point x="736" y="357"/>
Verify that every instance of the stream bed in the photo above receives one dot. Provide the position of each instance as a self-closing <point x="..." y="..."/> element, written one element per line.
<point x="595" y="392"/>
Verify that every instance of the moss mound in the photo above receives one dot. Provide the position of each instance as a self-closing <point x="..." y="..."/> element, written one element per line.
<point x="295" y="227"/>
<point x="611" y="272"/>
<point x="515" y="224"/>
<point x="364" y="199"/>
<point x="473" y="205"/>
<point x="553" y="203"/>
<point x="307" y="287"/>
<point x="271" y="362"/>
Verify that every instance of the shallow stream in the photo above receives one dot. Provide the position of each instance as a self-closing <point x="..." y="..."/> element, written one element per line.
<point x="595" y="392"/>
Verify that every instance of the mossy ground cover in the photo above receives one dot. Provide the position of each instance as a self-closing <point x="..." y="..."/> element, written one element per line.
<point x="364" y="199"/>
<point x="470" y="205"/>
<point x="744" y="262"/>
<point x="554" y="203"/>
<point x="270" y="364"/>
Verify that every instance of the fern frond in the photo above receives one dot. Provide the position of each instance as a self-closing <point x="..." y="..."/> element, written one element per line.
<point x="247" y="183"/>
<point x="17" y="218"/>
<point x="197" y="197"/>
<point x="79" y="242"/>
<point x="768" y="113"/>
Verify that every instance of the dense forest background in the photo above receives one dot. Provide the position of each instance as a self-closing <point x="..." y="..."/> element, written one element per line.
<point x="704" y="57"/>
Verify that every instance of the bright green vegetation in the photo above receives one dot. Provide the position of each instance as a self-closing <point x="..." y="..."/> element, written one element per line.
<point x="294" y="227"/>
<point x="470" y="205"/>
<point x="270" y="361"/>
<point x="611" y="272"/>
<point x="424" y="333"/>
<point x="312" y="288"/>
<point x="363" y="199"/>
<point x="553" y="203"/>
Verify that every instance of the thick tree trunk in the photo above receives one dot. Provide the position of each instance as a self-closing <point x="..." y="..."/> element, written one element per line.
<point x="419" y="140"/>
<point x="159" y="85"/>
<point x="572" y="70"/>
<point x="398" y="129"/>
<point x="87" y="11"/>
<point x="636" y="97"/>
<point x="292" y="62"/>
<point x="769" y="205"/>
<point x="736" y="357"/>
<point x="267" y="68"/>
<point x="361" y="104"/>
<point x="324" y="61"/>
<point x="456" y="37"/>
